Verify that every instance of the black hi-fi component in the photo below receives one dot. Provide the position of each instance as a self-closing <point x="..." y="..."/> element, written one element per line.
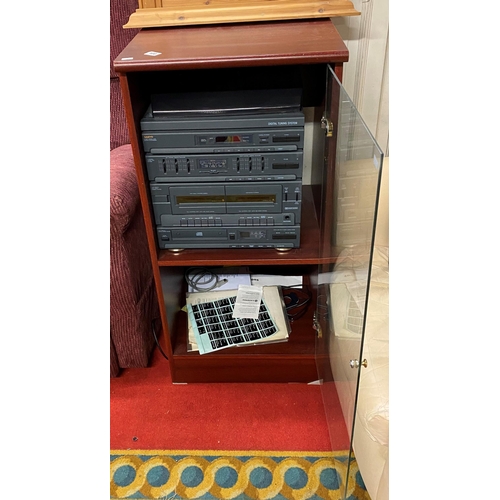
<point x="225" y="170"/>
<point x="226" y="167"/>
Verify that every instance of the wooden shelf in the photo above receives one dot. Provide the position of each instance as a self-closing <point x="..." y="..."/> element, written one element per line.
<point x="243" y="45"/>
<point x="158" y="13"/>
<point x="290" y="361"/>
<point x="300" y="343"/>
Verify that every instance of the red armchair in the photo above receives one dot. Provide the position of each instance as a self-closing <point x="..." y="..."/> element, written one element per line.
<point x="133" y="303"/>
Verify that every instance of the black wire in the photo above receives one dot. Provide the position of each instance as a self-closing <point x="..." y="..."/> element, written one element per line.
<point x="301" y="306"/>
<point x="156" y="338"/>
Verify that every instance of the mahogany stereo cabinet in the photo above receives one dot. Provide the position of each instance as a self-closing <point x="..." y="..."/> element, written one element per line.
<point x="246" y="56"/>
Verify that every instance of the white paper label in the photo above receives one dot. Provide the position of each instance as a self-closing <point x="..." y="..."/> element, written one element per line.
<point x="247" y="302"/>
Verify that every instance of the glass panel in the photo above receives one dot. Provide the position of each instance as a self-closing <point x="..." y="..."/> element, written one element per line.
<point x="350" y="199"/>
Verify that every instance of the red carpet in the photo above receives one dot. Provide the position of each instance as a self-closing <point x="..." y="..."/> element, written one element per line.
<point x="148" y="412"/>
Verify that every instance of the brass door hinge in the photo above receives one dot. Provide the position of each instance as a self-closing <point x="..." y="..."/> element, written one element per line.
<point x="326" y="125"/>
<point x="317" y="326"/>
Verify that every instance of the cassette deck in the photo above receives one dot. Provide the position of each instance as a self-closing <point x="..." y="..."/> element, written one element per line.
<point x="242" y="199"/>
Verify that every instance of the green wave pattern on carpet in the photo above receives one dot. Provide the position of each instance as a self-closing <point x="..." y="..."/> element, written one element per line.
<point x="240" y="475"/>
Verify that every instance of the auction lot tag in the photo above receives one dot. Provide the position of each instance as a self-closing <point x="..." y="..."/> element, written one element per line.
<point x="248" y="301"/>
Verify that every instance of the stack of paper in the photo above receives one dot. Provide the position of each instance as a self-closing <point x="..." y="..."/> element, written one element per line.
<point x="211" y="325"/>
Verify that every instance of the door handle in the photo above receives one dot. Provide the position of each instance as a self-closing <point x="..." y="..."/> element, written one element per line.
<point x="354" y="363"/>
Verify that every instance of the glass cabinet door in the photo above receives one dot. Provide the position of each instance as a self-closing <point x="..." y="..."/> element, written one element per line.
<point x="351" y="183"/>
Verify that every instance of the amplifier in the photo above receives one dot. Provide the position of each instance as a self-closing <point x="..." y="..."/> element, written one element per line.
<point x="227" y="167"/>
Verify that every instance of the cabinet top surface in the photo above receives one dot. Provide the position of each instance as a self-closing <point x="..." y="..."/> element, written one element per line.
<point x="245" y="44"/>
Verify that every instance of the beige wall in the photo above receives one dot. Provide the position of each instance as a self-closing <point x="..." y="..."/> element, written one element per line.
<point x="366" y="74"/>
<point x="382" y="229"/>
<point x="366" y="80"/>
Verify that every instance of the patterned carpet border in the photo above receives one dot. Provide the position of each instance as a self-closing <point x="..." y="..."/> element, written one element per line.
<point x="233" y="475"/>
